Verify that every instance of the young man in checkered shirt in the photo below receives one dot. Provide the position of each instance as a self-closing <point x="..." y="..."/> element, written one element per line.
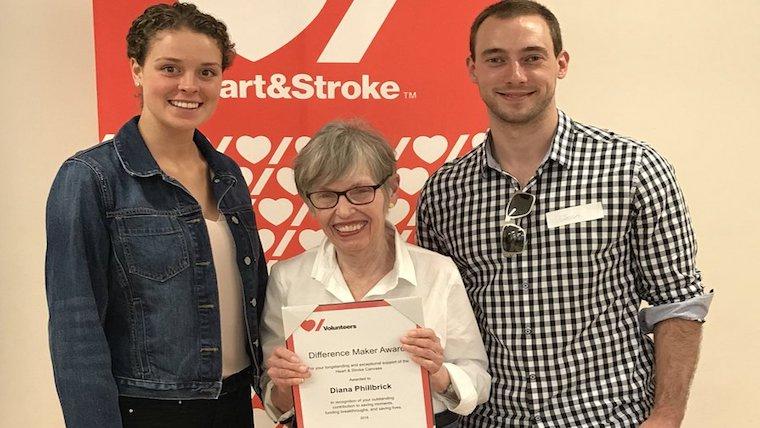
<point x="560" y="231"/>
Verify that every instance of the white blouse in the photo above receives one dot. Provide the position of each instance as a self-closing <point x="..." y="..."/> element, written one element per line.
<point x="315" y="277"/>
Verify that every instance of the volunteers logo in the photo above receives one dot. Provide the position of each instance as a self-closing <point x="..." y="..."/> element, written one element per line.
<point x="310" y="325"/>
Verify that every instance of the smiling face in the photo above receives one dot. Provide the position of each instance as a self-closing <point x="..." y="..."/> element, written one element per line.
<point x="515" y="68"/>
<point x="180" y="78"/>
<point x="356" y="229"/>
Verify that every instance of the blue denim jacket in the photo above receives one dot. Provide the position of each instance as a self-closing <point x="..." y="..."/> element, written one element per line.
<point x="130" y="279"/>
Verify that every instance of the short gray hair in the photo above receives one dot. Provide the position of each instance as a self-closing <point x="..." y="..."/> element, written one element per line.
<point x="338" y="149"/>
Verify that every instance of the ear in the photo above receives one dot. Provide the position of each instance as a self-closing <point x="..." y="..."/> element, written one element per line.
<point x="563" y="59"/>
<point x="393" y="184"/>
<point x="137" y="70"/>
<point x="471" y="69"/>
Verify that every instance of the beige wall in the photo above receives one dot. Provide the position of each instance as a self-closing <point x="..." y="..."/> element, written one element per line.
<point x="679" y="74"/>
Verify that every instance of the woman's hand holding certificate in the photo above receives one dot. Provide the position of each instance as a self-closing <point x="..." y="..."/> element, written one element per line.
<point x="285" y="370"/>
<point x="425" y="349"/>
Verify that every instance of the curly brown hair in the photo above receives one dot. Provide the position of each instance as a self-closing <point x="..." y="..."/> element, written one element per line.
<point x="176" y="16"/>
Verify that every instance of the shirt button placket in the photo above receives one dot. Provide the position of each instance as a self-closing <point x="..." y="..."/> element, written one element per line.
<point x="533" y="387"/>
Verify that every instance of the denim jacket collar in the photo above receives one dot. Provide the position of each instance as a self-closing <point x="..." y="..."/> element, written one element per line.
<point x="137" y="160"/>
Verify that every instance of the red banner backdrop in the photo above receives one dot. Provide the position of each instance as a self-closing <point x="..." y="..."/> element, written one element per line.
<point x="398" y="64"/>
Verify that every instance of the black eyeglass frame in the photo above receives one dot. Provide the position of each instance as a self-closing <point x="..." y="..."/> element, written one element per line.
<point x="345" y="194"/>
<point x="513" y="231"/>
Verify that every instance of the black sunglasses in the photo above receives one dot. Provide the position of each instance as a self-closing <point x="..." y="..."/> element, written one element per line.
<point x="513" y="237"/>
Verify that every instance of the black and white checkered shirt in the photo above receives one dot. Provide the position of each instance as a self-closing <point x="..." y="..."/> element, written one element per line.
<point x="561" y="324"/>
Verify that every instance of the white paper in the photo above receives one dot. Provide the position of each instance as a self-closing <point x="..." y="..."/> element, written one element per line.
<point x="359" y="374"/>
<point x="577" y="214"/>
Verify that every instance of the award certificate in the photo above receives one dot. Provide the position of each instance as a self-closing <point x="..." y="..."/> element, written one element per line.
<point x="360" y="376"/>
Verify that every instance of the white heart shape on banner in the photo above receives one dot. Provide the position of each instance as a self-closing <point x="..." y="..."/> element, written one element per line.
<point x="285" y="178"/>
<point x="412" y="180"/>
<point x="301" y="142"/>
<point x="478" y="139"/>
<point x="399" y="211"/>
<point x="276" y="211"/>
<point x="430" y="149"/>
<point x="247" y="174"/>
<point x="253" y="149"/>
<point x="310" y="238"/>
<point x="266" y="237"/>
<point x="260" y="27"/>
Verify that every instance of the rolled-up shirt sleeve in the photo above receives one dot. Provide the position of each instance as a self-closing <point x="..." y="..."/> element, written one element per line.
<point x="664" y="247"/>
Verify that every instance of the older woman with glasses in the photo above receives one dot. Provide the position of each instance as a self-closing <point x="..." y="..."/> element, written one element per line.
<point x="347" y="176"/>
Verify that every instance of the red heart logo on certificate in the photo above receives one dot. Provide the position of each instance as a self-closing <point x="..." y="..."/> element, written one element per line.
<point x="308" y="325"/>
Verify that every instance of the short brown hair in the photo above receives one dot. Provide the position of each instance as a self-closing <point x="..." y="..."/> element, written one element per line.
<point x="176" y="16"/>
<point x="513" y="8"/>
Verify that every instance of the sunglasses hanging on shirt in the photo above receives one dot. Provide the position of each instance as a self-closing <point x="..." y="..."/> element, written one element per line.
<point x="513" y="237"/>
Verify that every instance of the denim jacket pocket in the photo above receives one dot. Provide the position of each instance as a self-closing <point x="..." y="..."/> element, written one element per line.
<point x="154" y="246"/>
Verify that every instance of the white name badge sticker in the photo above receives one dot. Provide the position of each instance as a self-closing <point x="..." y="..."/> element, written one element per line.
<point x="565" y="216"/>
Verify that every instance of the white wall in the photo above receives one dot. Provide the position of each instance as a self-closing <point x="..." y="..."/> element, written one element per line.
<point x="49" y="111"/>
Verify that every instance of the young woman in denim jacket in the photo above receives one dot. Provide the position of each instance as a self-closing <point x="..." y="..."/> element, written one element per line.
<point x="154" y="272"/>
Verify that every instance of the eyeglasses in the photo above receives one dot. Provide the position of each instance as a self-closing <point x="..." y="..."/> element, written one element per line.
<point x="513" y="237"/>
<point x="361" y="195"/>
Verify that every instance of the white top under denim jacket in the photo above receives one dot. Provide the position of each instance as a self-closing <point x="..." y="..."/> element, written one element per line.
<point x="315" y="277"/>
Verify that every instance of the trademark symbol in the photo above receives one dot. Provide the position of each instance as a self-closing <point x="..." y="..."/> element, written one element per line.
<point x="410" y="95"/>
